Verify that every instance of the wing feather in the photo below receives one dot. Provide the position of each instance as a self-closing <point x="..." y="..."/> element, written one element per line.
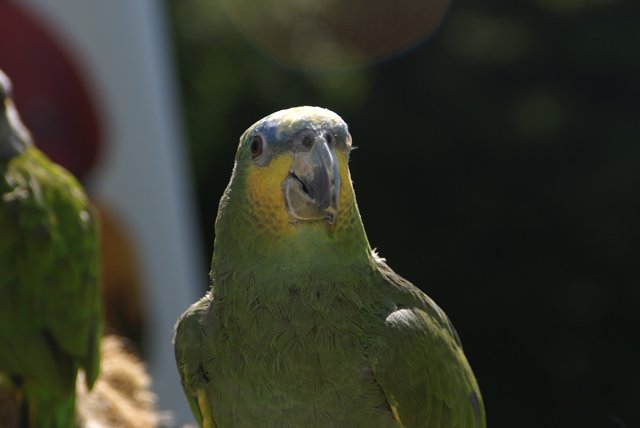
<point x="419" y="363"/>
<point x="55" y="291"/>
<point x="188" y="340"/>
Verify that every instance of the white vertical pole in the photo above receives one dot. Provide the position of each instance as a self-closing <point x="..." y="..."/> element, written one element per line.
<point x="124" y="56"/>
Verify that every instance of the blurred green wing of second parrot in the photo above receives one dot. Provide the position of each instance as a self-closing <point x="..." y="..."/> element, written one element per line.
<point x="50" y="310"/>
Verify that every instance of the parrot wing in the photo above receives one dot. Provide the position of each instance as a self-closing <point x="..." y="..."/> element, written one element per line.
<point x="79" y="331"/>
<point x="419" y="363"/>
<point x="188" y="340"/>
<point x="53" y="292"/>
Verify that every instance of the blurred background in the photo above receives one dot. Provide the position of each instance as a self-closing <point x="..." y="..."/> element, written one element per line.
<point x="498" y="165"/>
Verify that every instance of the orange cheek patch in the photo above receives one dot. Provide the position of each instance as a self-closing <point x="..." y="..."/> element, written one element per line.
<point x="268" y="209"/>
<point x="265" y="195"/>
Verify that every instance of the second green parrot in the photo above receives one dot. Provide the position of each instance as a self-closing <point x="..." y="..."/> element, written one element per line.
<point x="304" y="325"/>
<point x="50" y="310"/>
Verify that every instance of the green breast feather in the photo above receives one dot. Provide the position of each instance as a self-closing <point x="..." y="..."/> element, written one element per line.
<point x="304" y="325"/>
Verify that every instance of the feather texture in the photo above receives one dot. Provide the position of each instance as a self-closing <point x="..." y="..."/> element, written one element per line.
<point x="50" y="316"/>
<point x="305" y="325"/>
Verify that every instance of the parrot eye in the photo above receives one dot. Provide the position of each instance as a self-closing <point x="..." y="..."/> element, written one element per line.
<point x="307" y="141"/>
<point x="256" y="146"/>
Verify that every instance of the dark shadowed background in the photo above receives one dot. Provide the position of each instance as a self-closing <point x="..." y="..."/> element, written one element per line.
<point x="498" y="168"/>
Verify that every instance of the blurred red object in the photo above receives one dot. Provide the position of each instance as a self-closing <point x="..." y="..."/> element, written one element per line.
<point x="56" y="105"/>
<point x="49" y="92"/>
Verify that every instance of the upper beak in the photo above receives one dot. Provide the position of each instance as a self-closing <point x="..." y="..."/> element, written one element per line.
<point x="13" y="134"/>
<point x="312" y="187"/>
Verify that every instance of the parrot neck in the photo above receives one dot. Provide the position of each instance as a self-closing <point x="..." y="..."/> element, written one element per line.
<point x="243" y="247"/>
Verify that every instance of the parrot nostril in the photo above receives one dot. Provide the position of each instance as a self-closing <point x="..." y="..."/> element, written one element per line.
<point x="328" y="138"/>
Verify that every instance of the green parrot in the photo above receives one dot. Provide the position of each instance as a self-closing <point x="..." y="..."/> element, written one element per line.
<point x="305" y="325"/>
<point x="50" y="307"/>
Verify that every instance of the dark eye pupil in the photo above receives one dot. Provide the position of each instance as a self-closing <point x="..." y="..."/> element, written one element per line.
<point x="256" y="146"/>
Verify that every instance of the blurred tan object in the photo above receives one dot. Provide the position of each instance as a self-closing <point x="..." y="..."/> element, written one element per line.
<point x="121" y="285"/>
<point x="121" y="396"/>
<point x="335" y="34"/>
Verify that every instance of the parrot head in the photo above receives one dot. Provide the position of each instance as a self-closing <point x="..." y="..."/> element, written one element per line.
<point x="14" y="137"/>
<point x="291" y="182"/>
<point x="293" y="157"/>
<point x="295" y="162"/>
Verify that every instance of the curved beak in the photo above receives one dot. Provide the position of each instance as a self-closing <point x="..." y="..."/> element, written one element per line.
<point x="14" y="137"/>
<point x="312" y="188"/>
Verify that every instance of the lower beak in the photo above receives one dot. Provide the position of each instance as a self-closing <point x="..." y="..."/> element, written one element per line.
<point x="312" y="188"/>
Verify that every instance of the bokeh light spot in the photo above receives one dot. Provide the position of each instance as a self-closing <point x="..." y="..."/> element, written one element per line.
<point x="488" y="39"/>
<point x="324" y="34"/>
<point x="571" y="6"/>
<point x="539" y="113"/>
